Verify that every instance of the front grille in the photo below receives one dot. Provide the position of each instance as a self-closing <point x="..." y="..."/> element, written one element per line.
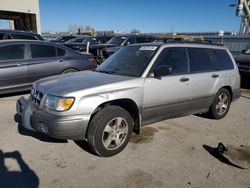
<point x="36" y="97"/>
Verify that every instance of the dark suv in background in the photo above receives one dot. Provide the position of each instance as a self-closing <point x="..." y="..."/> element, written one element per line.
<point x="62" y="39"/>
<point x="243" y="62"/>
<point x="103" y="51"/>
<point x="18" y="34"/>
<point x="80" y="43"/>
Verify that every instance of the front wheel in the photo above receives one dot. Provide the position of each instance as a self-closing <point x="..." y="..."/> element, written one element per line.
<point x="221" y="104"/>
<point x="109" y="131"/>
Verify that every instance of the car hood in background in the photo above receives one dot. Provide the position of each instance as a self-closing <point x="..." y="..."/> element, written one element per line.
<point x="99" y="46"/>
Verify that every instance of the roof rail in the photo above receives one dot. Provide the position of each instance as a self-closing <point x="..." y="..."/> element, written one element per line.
<point x="181" y="40"/>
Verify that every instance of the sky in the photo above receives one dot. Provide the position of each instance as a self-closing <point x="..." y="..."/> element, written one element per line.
<point x="144" y="15"/>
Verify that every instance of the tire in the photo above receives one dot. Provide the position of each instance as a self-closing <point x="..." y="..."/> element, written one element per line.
<point x="69" y="71"/>
<point x="221" y="104"/>
<point x="109" y="131"/>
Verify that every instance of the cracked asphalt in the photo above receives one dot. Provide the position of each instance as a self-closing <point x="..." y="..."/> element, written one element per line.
<point x="172" y="153"/>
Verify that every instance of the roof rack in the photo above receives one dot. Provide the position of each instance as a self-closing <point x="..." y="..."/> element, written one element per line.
<point x="181" y="40"/>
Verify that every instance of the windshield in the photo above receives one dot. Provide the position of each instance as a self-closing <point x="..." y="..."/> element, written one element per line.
<point x="76" y="40"/>
<point x="129" y="61"/>
<point x="117" y="40"/>
<point x="57" y="38"/>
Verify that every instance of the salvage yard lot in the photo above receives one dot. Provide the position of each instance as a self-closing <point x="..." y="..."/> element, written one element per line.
<point x="166" y="154"/>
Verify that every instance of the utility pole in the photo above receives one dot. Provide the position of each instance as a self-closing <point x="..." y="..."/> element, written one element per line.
<point x="243" y="11"/>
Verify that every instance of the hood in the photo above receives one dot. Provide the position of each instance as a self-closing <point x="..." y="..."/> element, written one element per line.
<point x="73" y="43"/>
<point x="67" y="83"/>
<point x="99" y="46"/>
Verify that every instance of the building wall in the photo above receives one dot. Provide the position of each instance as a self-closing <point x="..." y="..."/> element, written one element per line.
<point x="23" y="6"/>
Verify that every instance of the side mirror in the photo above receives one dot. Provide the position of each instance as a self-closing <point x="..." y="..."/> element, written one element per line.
<point x="162" y="70"/>
<point x="243" y="51"/>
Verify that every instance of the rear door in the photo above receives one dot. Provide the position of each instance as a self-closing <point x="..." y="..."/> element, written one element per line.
<point x="167" y="96"/>
<point x="13" y="66"/>
<point x="203" y="77"/>
<point x="43" y="61"/>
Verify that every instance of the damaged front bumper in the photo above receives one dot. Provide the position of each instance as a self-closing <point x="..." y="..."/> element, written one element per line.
<point x="23" y="108"/>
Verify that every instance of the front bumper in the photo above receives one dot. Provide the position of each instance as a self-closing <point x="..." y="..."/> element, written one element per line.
<point x="62" y="127"/>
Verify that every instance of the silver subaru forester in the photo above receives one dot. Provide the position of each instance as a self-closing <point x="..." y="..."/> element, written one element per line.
<point x="138" y="85"/>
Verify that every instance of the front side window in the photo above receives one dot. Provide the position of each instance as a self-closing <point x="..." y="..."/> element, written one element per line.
<point x="175" y="58"/>
<point x="200" y="60"/>
<point x="41" y="51"/>
<point x="12" y="52"/>
<point x="223" y="60"/>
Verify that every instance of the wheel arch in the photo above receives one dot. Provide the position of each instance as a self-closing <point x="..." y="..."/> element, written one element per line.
<point x="229" y="89"/>
<point x="127" y="104"/>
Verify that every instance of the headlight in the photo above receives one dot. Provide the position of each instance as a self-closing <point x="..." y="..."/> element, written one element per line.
<point x="58" y="103"/>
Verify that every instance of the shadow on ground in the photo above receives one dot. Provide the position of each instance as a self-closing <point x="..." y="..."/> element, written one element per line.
<point x="83" y="144"/>
<point x="37" y="135"/>
<point x="215" y="153"/>
<point x="26" y="177"/>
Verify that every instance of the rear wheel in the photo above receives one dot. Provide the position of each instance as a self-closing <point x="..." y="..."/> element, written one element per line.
<point x="221" y="104"/>
<point x="109" y="131"/>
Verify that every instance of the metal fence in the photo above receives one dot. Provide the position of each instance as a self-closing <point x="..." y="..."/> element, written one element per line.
<point x="234" y="43"/>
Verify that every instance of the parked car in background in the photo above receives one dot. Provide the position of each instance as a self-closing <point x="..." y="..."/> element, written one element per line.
<point x="138" y="85"/>
<point x="243" y="62"/>
<point x="62" y="39"/>
<point x="78" y="43"/>
<point x="103" y="51"/>
<point x="18" y="34"/>
<point x="24" y="61"/>
<point x="81" y="44"/>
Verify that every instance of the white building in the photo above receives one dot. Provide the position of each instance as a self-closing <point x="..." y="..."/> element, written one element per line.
<point x="22" y="14"/>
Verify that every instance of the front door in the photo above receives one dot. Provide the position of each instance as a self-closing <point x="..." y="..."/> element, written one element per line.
<point x="13" y="67"/>
<point x="169" y="95"/>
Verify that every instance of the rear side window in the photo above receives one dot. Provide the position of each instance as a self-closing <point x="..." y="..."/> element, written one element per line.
<point x="40" y="51"/>
<point x="60" y="52"/>
<point x="200" y="60"/>
<point x="28" y="37"/>
<point x="223" y="60"/>
<point x="12" y="52"/>
<point x="175" y="58"/>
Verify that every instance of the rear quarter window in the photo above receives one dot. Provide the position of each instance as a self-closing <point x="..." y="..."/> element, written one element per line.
<point x="223" y="60"/>
<point x="200" y="60"/>
<point x="60" y="52"/>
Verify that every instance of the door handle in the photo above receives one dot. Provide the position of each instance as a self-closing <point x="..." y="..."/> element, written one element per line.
<point x="184" y="79"/>
<point x="215" y="76"/>
<point x="60" y="60"/>
<point x="18" y="64"/>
